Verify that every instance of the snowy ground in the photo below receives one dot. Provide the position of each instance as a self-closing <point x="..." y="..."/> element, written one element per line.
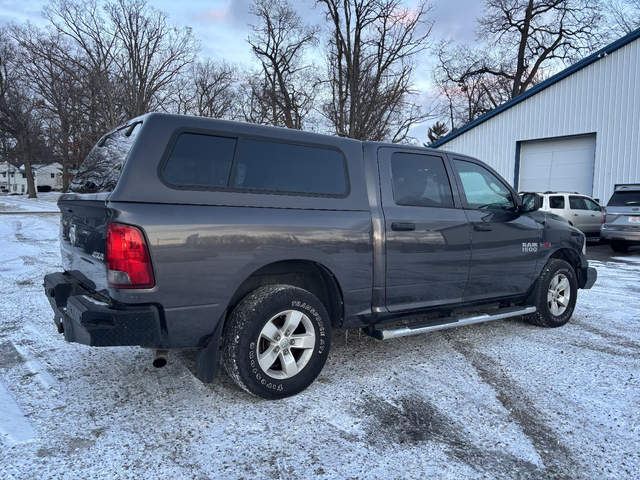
<point x="501" y="400"/>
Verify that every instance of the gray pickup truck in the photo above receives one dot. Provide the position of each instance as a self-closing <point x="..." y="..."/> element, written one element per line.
<point x="252" y="243"/>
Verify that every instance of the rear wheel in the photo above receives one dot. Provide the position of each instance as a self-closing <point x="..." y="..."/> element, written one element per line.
<point x="277" y="341"/>
<point x="557" y="296"/>
<point x="618" y="246"/>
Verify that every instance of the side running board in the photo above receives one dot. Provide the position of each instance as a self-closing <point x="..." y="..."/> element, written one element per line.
<point x="446" y="323"/>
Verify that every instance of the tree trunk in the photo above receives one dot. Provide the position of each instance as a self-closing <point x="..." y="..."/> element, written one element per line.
<point x="31" y="187"/>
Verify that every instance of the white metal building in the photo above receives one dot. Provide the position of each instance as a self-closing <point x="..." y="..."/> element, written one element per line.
<point x="577" y="131"/>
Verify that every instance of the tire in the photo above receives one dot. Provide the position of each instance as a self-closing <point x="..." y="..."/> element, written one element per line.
<point x="550" y="311"/>
<point x="618" y="246"/>
<point x="256" y="337"/>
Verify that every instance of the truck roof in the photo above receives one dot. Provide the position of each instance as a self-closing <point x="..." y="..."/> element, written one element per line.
<point x="269" y="130"/>
<point x="632" y="187"/>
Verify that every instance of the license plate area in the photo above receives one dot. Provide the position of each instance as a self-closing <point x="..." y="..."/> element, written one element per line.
<point x="635" y="220"/>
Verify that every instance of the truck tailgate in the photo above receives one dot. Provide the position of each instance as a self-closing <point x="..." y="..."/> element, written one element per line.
<point x="83" y="231"/>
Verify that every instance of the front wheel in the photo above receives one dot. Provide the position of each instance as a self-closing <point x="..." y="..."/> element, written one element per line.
<point x="557" y="296"/>
<point x="277" y="341"/>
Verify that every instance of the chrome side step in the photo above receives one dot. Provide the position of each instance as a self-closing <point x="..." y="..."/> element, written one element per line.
<point x="443" y="324"/>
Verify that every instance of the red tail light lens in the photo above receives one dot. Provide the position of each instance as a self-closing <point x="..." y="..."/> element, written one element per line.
<point x="604" y="217"/>
<point x="128" y="260"/>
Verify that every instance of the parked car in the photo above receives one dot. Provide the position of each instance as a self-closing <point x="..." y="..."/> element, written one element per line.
<point x="255" y="241"/>
<point x="581" y="211"/>
<point x="621" y="223"/>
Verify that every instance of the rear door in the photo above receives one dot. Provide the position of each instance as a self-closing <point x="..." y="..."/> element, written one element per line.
<point x="427" y="233"/>
<point x="579" y="215"/>
<point x="504" y="243"/>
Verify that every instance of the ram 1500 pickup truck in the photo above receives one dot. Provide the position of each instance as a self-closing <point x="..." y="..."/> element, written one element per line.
<point x="251" y="243"/>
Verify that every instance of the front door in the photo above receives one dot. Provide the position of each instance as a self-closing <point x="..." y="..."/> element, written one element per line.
<point x="504" y="243"/>
<point x="427" y="233"/>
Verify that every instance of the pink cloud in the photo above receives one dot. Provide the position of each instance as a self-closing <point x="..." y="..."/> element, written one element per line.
<point x="214" y="15"/>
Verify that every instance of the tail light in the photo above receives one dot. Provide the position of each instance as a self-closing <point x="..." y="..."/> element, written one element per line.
<point x="128" y="260"/>
<point x="604" y="217"/>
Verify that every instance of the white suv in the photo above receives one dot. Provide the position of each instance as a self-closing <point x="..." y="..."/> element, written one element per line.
<point x="579" y="210"/>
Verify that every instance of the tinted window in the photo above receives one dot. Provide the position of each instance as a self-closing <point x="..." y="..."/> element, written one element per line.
<point x="576" y="203"/>
<point x="591" y="205"/>
<point x="484" y="191"/>
<point x="200" y="160"/>
<point x="556" y="202"/>
<point x="420" y="180"/>
<point x="624" y="198"/>
<point x="101" y="169"/>
<point x="285" y="167"/>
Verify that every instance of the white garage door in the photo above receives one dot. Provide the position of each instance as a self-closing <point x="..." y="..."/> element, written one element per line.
<point x="560" y="164"/>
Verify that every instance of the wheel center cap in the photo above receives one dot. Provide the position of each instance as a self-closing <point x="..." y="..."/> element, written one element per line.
<point x="284" y="343"/>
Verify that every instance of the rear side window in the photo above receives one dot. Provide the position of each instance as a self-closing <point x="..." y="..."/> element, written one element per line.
<point x="282" y="167"/>
<point x="420" y="180"/>
<point x="203" y="160"/>
<point x="556" y="202"/>
<point x="101" y="169"/>
<point x="591" y="205"/>
<point x="576" y="203"/>
<point x="624" y="199"/>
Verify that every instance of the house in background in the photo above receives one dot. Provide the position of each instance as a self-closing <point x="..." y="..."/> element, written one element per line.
<point x="46" y="176"/>
<point x="9" y="174"/>
<point x="578" y="131"/>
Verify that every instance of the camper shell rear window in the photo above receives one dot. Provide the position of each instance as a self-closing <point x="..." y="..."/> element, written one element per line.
<point x="101" y="169"/>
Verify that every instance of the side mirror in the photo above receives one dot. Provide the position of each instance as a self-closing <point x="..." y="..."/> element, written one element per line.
<point x="530" y="202"/>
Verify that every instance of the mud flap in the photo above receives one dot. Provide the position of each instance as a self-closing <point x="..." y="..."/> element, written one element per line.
<point x="207" y="359"/>
<point x="534" y="291"/>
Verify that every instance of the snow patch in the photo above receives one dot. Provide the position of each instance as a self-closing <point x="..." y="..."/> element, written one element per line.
<point x="14" y="426"/>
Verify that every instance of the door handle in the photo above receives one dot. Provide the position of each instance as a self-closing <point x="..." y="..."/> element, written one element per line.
<point x="403" y="227"/>
<point x="575" y="214"/>
<point x="479" y="227"/>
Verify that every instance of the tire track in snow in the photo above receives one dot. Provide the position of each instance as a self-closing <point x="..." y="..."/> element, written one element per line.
<point x="557" y="458"/>
<point x="412" y="420"/>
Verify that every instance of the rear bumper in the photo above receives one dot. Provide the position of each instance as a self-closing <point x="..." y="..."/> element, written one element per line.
<point x="627" y="236"/>
<point x="85" y="319"/>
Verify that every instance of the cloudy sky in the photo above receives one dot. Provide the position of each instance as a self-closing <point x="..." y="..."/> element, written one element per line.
<point x="221" y="26"/>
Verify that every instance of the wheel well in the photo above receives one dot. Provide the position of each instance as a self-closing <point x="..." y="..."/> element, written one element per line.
<point x="311" y="276"/>
<point x="568" y="256"/>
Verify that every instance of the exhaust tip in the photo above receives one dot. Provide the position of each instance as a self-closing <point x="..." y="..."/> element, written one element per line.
<point x="160" y="358"/>
<point x="159" y="362"/>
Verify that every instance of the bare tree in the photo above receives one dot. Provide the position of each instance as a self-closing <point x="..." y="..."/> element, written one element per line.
<point x="90" y="54"/>
<point x="466" y="97"/>
<point x="623" y="16"/>
<point x="371" y="54"/>
<point x="521" y="42"/>
<point x="283" y="91"/>
<point x="56" y="84"/>
<point x="151" y="54"/>
<point x="527" y="34"/>
<point x="209" y="89"/>
<point x="18" y="111"/>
